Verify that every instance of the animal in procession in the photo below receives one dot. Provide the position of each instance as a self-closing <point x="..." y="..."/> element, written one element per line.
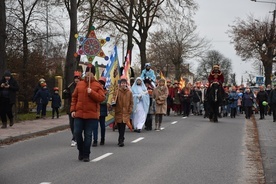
<point x="215" y="99"/>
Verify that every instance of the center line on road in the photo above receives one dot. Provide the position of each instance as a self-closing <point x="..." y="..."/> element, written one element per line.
<point x="137" y="140"/>
<point x="174" y="122"/>
<point x="101" y="157"/>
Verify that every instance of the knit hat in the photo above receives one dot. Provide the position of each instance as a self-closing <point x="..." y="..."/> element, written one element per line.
<point x="93" y="70"/>
<point x="41" y="80"/>
<point x="77" y="74"/>
<point x="7" y="73"/>
<point x="102" y="80"/>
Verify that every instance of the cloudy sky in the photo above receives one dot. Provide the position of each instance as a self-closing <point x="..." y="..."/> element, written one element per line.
<point x="214" y="17"/>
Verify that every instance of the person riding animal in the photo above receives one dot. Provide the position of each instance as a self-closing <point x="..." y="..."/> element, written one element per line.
<point x="216" y="75"/>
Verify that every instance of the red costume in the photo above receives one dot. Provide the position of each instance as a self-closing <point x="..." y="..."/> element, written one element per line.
<point x="216" y="75"/>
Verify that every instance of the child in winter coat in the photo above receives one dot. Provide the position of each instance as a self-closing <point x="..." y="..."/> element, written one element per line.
<point x="44" y="96"/>
<point x="56" y="103"/>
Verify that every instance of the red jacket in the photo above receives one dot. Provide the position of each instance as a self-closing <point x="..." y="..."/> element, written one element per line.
<point x="87" y="106"/>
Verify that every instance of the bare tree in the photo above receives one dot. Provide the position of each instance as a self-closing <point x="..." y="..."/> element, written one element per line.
<point x="134" y="18"/>
<point x="3" y="36"/>
<point x="255" y="40"/>
<point x="174" y="46"/>
<point x="211" y="58"/>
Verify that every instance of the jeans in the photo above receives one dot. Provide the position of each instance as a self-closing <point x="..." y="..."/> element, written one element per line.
<point x="38" y="108"/>
<point x="87" y="126"/>
<point x="102" y="125"/>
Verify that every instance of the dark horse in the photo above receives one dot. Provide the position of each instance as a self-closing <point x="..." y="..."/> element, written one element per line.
<point x="215" y="97"/>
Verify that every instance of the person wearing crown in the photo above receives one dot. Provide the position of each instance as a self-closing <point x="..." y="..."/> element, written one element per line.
<point x="216" y="75"/>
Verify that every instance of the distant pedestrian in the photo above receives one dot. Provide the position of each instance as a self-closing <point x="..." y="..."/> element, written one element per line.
<point x="43" y="95"/>
<point x="186" y="98"/>
<point x="38" y="100"/>
<point x="261" y="97"/>
<point x="272" y="102"/>
<point x="67" y="95"/>
<point x="123" y="109"/>
<point x="160" y="94"/>
<point x="56" y="103"/>
<point x="8" y="90"/>
<point x="248" y="99"/>
<point x="151" y="112"/>
<point x="233" y="101"/>
<point x="85" y="107"/>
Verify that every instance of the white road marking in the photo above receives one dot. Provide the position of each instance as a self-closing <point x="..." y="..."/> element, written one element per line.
<point x="184" y="117"/>
<point x="101" y="157"/>
<point x="46" y="183"/>
<point x="162" y="128"/>
<point x="174" y="122"/>
<point x="137" y="140"/>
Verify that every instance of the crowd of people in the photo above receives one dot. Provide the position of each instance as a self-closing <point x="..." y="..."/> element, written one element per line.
<point x="136" y="104"/>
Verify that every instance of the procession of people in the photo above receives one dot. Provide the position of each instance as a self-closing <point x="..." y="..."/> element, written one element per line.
<point x="137" y="104"/>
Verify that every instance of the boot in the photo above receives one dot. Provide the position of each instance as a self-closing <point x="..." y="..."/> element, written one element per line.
<point x="4" y="125"/>
<point x="102" y="142"/>
<point x="11" y="122"/>
<point x="95" y="143"/>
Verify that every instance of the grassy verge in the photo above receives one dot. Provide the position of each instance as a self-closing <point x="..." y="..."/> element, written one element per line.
<point x="32" y="115"/>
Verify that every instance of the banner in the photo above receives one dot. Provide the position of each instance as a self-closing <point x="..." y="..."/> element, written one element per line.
<point x="126" y="69"/>
<point x="111" y="73"/>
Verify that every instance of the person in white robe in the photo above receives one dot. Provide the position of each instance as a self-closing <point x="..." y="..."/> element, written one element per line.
<point x="141" y="104"/>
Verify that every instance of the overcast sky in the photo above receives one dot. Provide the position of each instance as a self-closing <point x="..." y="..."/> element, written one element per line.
<point x="214" y="17"/>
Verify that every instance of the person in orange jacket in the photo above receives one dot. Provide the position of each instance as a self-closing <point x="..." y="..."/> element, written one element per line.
<point x="85" y="108"/>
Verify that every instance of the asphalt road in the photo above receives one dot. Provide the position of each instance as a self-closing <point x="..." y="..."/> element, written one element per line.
<point x="188" y="150"/>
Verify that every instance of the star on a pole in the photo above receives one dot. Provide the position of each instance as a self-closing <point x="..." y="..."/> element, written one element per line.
<point x="91" y="46"/>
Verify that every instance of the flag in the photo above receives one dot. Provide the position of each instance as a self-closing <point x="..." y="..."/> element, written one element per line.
<point x="162" y="77"/>
<point x="182" y="83"/>
<point x="112" y="75"/>
<point x="126" y="68"/>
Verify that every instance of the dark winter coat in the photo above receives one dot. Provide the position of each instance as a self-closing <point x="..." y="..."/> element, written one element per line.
<point x="43" y="95"/>
<point x="262" y="96"/>
<point x="56" y="101"/>
<point x="197" y="95"/>
<point x="37" y="88"/>
<point x="103" y="105"/>
<point x="11" y="91"/>
<point x="272" y="97"/>
<point x="248" y="99"/>
<point x="67" y="95"/>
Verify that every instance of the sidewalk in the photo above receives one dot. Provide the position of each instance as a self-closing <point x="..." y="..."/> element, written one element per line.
<point x="28" y="129"/>
<point x="267" y="139"/>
